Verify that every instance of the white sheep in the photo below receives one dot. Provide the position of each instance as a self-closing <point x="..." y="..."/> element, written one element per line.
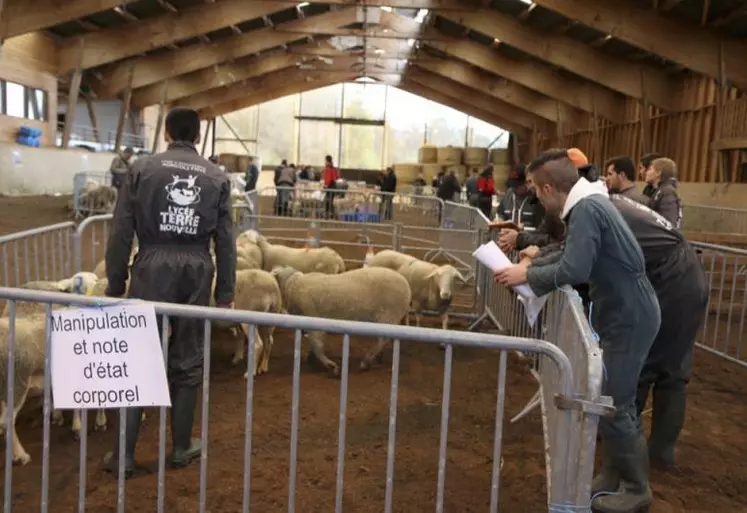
<point x="97" y="198"/>
<point x="100" y="270"/>
<point x="30" y="340"/>
<point x="390" y="259"/>
<point x="255" y="291"/>
<point x="431" y="285"/>
<point x="372" y="294"/>
<point x="248" y="255"/>
<point x="306" y="260"/>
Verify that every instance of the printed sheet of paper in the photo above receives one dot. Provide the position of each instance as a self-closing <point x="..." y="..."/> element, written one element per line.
<point x="108" y="357"/>
<point x="491" y="256"/>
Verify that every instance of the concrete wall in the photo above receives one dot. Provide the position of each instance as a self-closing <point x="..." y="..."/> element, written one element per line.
<point x="33" y="171"/>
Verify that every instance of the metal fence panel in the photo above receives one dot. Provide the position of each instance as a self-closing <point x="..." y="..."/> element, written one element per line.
<point x="702" y="218"/>
<point x="93" y="193"/>
<point x="562" y="386"/>
<point x="43" y="253"/>
<point x="723" y="329"/>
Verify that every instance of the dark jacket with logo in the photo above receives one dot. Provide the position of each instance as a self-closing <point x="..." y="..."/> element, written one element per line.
<point x="177" y="203"/>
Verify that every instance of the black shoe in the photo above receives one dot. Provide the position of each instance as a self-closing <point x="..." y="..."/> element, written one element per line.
<point x="185" y="448"/>
<point x="132" y="428"/>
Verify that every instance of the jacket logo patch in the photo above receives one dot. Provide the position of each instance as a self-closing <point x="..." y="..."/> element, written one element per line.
<point x="181" y="218"/>
<point x="183" y="191"/>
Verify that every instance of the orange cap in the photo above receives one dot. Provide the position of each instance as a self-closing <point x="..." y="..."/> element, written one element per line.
<point x="578" y="157"/>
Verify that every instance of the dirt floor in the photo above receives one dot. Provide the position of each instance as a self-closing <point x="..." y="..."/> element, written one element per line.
<point x="711" y="473"/>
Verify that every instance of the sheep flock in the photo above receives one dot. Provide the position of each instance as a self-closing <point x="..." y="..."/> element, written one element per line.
<point x="270" y="278"/>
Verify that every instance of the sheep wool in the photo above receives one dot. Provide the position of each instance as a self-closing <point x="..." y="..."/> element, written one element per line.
<point x="390" y="259"/>
<point x="371" y="294"/>
<point x="30" y="340"/>
<point x="306" y="260"/>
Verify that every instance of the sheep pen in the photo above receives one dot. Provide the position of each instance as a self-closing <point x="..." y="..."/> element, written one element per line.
<point x="710" y="476"/>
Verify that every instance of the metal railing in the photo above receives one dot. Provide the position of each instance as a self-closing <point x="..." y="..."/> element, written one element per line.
<point x="93" y="193"/>
<point x="723" y="329"/>
<point x="38" y="254"/>
<point x="703" y="218"/>
<point x="564" y="487"/>
<point x="562" y="322"/>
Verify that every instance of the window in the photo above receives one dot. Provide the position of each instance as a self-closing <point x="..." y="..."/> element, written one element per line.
<point x="316" y="140"/>
<point x="22" y="101"/>
<point x="361" y="147"/>
<point x="15" y="95"/>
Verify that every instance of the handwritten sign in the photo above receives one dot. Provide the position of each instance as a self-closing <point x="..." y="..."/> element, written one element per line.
<point x="107" y="358"/>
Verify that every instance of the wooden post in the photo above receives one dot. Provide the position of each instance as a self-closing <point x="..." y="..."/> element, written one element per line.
<point x="597" y="156"/>
<point x="211" y="121"/>
<point x="161" y="115"/>
<point x="72" y="98"/>
<point x="94" y="122"/>
<point x="215" y="124"/>
<point x="720" y="102"/>
<point x="125" y="110"/>
<point x="645" y="120"/>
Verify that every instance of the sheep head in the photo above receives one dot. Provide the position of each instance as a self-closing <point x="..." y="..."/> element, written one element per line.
<point x="282" y="274"/>
<point x="250" y="236"/>
<point x="444" y="277"/>
<point x="80" y="283"/>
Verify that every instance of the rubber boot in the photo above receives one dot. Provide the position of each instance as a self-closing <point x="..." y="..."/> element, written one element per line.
<point x="630" y="459"/>
<point x="132" y="428"/>
<point x="185" y="448"/>
<point x="608" y="480"/>
<point x="666" y="423"/>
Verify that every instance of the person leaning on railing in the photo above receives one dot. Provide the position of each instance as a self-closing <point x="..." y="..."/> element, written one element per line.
<point x="601" y="249"/>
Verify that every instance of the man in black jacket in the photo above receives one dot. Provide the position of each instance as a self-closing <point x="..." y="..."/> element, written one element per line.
<point x="388" y="188"/>
<point x="177" y="203"/>
<point x="643" y="168"/>
<point x="448" y="189"/>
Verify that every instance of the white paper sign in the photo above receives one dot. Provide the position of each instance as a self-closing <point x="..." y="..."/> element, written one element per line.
<point x="107" y="357"/>
<point x="491" y="256"/>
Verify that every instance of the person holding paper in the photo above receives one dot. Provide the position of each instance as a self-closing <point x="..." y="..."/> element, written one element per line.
<point x="177" y="203"/>
<point x="601" y="249"/>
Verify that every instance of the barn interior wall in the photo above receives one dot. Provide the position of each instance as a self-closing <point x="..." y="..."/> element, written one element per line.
<point x="30" y="60"/>
<point x="708" y="114"/>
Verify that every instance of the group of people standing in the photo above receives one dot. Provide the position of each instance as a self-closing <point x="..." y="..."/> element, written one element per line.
<point x="647" y="295"/>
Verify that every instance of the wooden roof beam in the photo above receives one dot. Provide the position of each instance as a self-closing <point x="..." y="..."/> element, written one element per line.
<point x="617" y="74"/>
<point x="277" y="79"/>
<point x="150" y="69"/>
<point x="212" y="78"/>
<point x="586" y="96"/>
<point x="462" y="106"/>
<point x="454" y="5"/>
<point x="480" y="100"/>
<point x="500" y="88"/>
<point x="263" y="96"/>
<point x="695" y="47"/>
<point x="113" y="44"/>
<point x="23" y="16"/>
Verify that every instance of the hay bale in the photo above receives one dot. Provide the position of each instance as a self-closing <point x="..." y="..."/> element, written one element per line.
<point x="475" y="156"/>
<point x="242" y="163"/>
<point x="450" y="156"/>
<point x="230" y="160"/>
<point x="500" y="174"/>
<point x="430" y="171"/>
<point x="499" y="157"/>
<point x="428" y="155"/>
<point x="407" y="172"/>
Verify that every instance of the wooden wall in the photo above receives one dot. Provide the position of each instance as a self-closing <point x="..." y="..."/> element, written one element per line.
<point x="702" y="136"/>
<point x="30" y="60"/>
